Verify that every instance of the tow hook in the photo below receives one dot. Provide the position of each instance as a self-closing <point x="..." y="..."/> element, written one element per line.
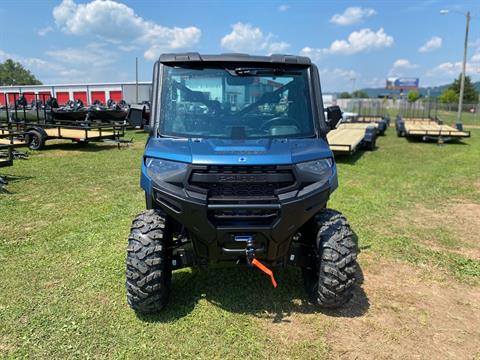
<point x="250" y="253"/>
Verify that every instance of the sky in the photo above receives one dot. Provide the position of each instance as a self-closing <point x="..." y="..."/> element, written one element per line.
<point x="354" y="44"/>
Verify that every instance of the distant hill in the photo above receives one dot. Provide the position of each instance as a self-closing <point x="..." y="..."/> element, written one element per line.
<point x="434" y="90"/>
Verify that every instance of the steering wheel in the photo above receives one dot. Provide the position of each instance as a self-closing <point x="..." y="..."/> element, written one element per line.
<point x="281" y="120"/>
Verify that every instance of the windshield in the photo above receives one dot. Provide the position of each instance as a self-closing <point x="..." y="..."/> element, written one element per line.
<point x="238" y="103"/>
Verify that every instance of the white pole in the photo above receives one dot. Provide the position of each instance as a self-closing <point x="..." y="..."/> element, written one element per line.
<point x="462" y="79"/>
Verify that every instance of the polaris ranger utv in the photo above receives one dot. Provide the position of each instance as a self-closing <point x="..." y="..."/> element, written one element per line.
<point x="237" y="169"/>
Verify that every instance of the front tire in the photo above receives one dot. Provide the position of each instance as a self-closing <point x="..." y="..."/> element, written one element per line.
<point x="149" y="271"/>
<point x="329" y="284"/>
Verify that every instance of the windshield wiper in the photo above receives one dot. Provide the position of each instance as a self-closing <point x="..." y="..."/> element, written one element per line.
<point x="262" y="71"/>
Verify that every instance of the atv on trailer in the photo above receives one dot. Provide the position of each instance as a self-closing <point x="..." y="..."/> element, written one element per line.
<point x="237" y="169"/>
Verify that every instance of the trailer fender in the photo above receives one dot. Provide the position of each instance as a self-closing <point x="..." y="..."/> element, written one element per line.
<point x="370" y="138"/>
<point x="382" y="126"/>
<point x="39" y="130"/>
<point x="400" y="126"/>
<point x="370" y="134"/>
<point x="387" y="120"/>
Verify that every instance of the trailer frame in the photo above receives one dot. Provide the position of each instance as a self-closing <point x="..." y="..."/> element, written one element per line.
<point x="35" y="134"/>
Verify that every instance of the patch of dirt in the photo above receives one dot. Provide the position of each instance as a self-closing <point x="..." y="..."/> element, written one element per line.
<point x="461" y="219"/>
<point x="410" y="317"/>
<point x="6" y="346"/>
<point x="398" y="312"/>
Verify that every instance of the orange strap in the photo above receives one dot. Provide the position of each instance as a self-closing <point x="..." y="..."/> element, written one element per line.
<point x="266" y="270"/>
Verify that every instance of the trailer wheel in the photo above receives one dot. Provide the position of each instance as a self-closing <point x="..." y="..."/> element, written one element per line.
<point x="35" y="140"/>
<point x="329" y="284"/>
<point x="148" y="263"/>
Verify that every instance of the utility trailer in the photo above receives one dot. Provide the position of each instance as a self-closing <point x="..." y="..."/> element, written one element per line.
<point x="37" y="132"/>
<point x="421" y="122"/>
<point x="7" y="152"/>
<point x="369" y="112"/>
<point x="348" y="138"/>
<point x="428" y="129"/>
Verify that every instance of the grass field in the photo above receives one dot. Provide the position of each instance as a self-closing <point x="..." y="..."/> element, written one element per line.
<point x="415" y="207"/>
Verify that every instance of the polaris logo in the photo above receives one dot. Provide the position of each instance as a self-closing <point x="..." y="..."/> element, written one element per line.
<point x="242" y="159"/>
<point x="240" y="178"/>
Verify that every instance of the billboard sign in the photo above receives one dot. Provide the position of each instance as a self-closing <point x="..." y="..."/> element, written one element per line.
<point x="402" y="83"/>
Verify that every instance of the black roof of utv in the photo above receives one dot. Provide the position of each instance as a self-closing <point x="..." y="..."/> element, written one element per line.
<point x="235" y="58"/>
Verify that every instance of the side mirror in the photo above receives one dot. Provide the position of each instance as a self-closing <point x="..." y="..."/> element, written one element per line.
<point x="334" y="115"/>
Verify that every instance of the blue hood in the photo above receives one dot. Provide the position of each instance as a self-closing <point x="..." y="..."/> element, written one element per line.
<point x="238" y="152"/>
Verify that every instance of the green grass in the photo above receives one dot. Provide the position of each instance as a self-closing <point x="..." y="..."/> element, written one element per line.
<point x="63" y="229"/>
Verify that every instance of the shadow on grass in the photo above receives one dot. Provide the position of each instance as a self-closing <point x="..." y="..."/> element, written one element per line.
<point x="349" y="159"/>
<point x="419" y="140"/>
<point x="245" y="290"/>
<point x="83" y="147"/>
<point x="8" y="179"/>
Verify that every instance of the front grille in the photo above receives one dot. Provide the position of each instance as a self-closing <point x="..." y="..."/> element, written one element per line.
<point x="242" y="181"/>
<point x="231" y="185"/>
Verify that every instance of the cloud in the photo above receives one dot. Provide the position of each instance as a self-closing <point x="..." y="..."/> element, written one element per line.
<point x="26" y="61"/>
<point x="330" y="78"/>
<point x="44" y="31"/>
<point x="358" y="41"/>
<point x="247" y="38"/>
<point x="352" y="15"/>
<point x="432" y="44"/>
<point x="404" y="64"/>
<point x="98" y="55"/>
<point x="119" y="24"/>
<point x="401" y="67"/>
<point x="455" y="68"/>
<point x="283" y="8"/>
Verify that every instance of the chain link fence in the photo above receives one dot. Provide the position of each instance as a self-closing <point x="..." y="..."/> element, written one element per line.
<point x="421" y="108"/>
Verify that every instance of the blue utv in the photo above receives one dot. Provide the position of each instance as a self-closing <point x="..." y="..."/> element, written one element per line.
<point x="237" y="169"/>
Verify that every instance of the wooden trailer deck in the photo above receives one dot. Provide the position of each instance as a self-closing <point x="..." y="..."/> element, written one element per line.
<point x="348" y="137"/>
<point x="80" y="134"/>
<point x="420" y="127"/>
<point x="66" y="132"/>
<point x="7" y="138"/>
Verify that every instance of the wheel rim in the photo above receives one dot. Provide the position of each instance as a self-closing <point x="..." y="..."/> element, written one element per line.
<point x="35" y="141"/>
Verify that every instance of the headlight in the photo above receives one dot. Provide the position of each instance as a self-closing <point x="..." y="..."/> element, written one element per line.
<point x="316" y="167"/>
<point x="162" y="170"/>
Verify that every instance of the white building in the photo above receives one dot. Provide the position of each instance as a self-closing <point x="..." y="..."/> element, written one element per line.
<point x="88" y="93"/>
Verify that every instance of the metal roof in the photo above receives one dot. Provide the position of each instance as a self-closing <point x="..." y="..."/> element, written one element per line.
<point x="236" y="58"/>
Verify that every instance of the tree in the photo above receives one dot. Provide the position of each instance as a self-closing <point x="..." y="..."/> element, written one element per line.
<point x="449" y="96"/>
<point x="344" y="95"/>
<point x="360" y="94"/>
<point x="413" y="96"/>
<point x="470" y="95"/>
<point x="13" y="73"/>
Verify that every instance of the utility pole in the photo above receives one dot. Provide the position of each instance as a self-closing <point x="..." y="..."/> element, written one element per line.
<point x="136" y="80"/>
<point x="462" y="80"/>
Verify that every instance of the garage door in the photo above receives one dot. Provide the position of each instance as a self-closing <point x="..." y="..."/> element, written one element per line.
<point x="80" y="95"/>
<point x="12" y="97"/>
<point x="44" y="95"/>
<point x="116" y="95"/>
<point x="63" y="97"/>
<point x="29" y="96"/>
<point x="98" y="95"/>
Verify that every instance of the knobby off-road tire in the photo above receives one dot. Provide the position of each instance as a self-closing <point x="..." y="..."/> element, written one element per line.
<point x="149" y="271"/>
<point x="330" y="283"/>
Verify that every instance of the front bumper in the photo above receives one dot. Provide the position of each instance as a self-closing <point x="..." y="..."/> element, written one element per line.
<point x="214" y="242"/>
